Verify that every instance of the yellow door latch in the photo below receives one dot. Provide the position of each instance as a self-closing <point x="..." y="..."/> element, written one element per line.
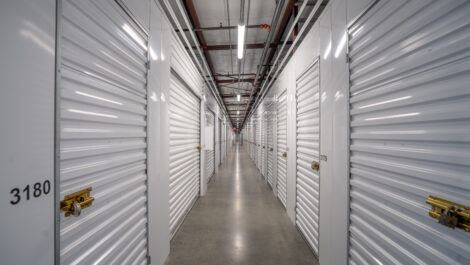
<point x="74" y="203"/>
<point x="449" y="213"/>
<point x="316" y="165"/>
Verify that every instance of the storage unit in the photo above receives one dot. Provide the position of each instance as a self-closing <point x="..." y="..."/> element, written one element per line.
<point x="259" y="141"/>
<point x="270" y="148"/>
<point x="210" y="152"/>
<point x="409" y="129"/>
<point x="184" y="110"/>
<point x="263" y="145"/>
<point x="103" y="134"/>
<point x="308" y="154"/>
<point x="218" y="142"/>
<point x="282" y="148"/>
<point x="223" y="140"/>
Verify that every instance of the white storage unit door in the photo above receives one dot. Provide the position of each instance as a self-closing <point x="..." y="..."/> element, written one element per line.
<point x="282" y="148"/>
<point x="410" y="125"/>
<point x="259" y="143"/>
<point x="263" y="145"/>
<point x="308" y="151"/>
<point x="210" y="154"/>
<point x="103" y="130"/>
<point x="219" y="148"/>
<point x="223" y="147"/>
<point x="184" y="154"/>
<point x="270" y="149"/>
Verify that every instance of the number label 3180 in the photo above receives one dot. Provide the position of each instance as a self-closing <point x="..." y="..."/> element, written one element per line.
<point x="30" y="191"/>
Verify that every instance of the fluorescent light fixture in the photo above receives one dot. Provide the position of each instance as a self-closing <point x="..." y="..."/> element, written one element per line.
<point x="238" y="97"/>
<point x="241" y="40"/>
<point x="238" y="112"/>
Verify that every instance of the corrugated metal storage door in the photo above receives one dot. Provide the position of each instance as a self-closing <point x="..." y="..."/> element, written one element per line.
<point x="223" y="140"/>
<point x="219" y="146"/>
<point x="308" y="151"/>
<point x="103" y="132"/>
<point x="259" y="142"/>
<point x="270" y="149"/>
<point x="210" y="154"/>
<point x="282" y="148"/>
<point x="184" y="154"/>
<point x="263" y="145"/>
<point x="410" y="124"/>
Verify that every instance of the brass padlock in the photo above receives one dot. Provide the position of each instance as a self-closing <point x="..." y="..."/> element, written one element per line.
<point x="284" y="154"/>
<point x="315" y="165"/>
<point x="199" y="148"/>
<point x="449" y="213"/>
<point x="74" y="203"/>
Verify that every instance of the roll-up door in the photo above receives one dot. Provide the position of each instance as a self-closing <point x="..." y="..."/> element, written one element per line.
<point x="223" y="140"/>
<point x="103" y="130"/>
<point x="259" y="143"/>
<point x="263" y="145"/>
<point x="210" y="154"/>
<point x="219" y="148"/>
<point x="270" y="149"/>
<point x="184" y="150"/>
<point x="282" y="148"/>
<point x="308" y="151"/>
<point x="410" y="124"/>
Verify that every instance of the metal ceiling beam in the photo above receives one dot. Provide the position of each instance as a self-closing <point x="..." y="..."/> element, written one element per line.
<point x="223" y="47"/>
<point x="234" y="96"/>
<point x="260" y="26"/>
<point x="247" y="80"/>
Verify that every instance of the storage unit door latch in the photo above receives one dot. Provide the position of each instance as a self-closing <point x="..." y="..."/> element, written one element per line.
<point x="74" y="203"/>
<point x="449" y="213"/>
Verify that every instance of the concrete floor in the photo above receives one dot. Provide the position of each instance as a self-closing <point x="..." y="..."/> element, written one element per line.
<point x="238" y="221"/>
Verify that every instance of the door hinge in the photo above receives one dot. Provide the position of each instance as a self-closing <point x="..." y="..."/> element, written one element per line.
<point x="149" y="259"/>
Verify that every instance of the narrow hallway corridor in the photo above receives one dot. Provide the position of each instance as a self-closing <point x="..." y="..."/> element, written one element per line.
<point x="238" y="221"/>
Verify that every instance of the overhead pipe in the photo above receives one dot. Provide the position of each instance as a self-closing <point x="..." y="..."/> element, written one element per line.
<point x="274" y="23"/>
<point x="265" y="88"/>
<point x="195" y="58"/>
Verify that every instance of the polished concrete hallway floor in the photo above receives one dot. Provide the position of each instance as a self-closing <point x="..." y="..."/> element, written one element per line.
<point x="238" y="221"/>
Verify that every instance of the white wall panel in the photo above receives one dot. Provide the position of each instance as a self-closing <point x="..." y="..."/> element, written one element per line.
<point x="410" y="117"/>
<point x="27" y="70"/>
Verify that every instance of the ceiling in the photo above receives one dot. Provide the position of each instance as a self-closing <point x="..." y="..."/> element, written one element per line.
<point x="215" y="24"/>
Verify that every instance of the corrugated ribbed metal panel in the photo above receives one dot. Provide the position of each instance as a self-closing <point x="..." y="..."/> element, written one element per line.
<point x="223" y="140"/>
<point x="263" y="144"/>
<point x="282" y="148"/>
<point x="184" y="154"/>
<point x="103" y="134"/>
<point x="217" y="143"/>
<point x="308" y="150"/>
<point x="210" y="154"/>
<point x="270" y="149"/>
<point x="410" y="124"/>
<point x="259" y="143"/>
